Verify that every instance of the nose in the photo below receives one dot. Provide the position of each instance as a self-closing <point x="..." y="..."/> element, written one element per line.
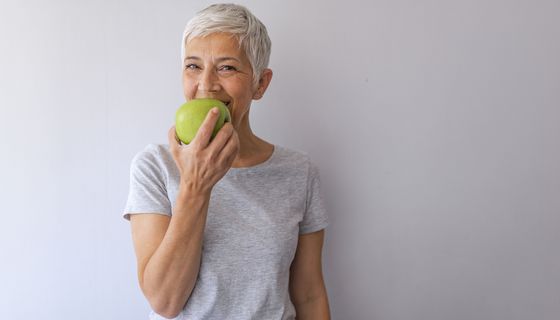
<point x="208" y="81"/>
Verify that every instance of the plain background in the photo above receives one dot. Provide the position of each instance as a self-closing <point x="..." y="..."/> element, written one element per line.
<point x="435" y="125"/>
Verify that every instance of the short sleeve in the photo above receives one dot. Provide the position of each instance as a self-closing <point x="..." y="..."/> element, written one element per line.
<point x="147" y="190"/>
<point x="315" y="216"/>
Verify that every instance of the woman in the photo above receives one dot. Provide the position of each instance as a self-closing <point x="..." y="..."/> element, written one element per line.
<point x="230" y="227"/>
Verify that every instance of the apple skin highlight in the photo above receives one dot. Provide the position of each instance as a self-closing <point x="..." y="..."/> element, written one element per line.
<point x="190" y="116"/>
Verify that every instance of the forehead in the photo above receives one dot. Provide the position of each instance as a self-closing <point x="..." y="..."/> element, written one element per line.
<point x="214" y="44"/>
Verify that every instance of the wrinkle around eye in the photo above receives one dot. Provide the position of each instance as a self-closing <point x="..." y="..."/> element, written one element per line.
<point x="191" y="66"/>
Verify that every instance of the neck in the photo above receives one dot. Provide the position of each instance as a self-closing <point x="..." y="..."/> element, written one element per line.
<point x="252" y="149"/>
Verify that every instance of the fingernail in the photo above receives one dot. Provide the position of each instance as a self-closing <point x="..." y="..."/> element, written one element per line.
<point x="214" y="110"/>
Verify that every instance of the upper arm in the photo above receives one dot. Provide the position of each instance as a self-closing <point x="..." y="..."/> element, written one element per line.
<point x="148" y="231"/>
<point x="306" y="275"/>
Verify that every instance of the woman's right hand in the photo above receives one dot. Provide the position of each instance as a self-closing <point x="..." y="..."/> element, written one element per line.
<point x="202" y="163"/>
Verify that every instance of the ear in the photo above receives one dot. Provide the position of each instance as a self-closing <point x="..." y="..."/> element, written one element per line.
<point x="264" y="81"/>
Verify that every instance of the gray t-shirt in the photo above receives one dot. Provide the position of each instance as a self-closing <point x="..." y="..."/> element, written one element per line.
<point x="254" y="218"/>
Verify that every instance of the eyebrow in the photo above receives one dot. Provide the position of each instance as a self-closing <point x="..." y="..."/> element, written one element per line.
<point x="221" y="59"/>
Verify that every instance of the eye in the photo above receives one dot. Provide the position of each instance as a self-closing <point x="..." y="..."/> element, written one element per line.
<point x="191" y="66"/>
<point x="227" y="68"/>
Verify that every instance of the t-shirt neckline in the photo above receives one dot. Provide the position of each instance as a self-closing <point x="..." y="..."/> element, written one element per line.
<point x="275" y="151"/>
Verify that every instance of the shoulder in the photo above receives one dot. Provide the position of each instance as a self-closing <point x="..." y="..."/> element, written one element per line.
<point x="293" y="156"/>
<point x="153" y="156"/>
<point x="297" y="160"/>
<point x="153" y="152"/>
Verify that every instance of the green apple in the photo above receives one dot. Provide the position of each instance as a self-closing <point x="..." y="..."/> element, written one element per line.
<point x="190" y="115"/>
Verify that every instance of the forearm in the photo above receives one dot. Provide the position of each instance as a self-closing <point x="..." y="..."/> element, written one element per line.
<point x="316" y="308"/>
<point x="170" y="274"/>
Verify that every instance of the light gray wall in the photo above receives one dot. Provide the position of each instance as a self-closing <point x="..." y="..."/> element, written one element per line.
<point x="435" y="125"/>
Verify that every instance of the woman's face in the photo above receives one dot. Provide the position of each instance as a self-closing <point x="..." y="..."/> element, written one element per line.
<point x="217" y="67"/>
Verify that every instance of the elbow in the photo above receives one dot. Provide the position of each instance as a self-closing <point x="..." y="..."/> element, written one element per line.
<point x="166" y="306"/>
<point x="170" y="315"/>
<point x="166" y="309"/>
<point x="163" y="301"/>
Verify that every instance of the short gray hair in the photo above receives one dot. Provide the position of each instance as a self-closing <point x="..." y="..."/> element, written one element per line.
<point x="240" y="22"/>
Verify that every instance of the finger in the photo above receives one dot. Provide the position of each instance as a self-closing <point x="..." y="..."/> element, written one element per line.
<point x="202" y="137"/>
<point x="174" y="141"/>
<point x="230" y="150"/>
<point x="222" y="137"/>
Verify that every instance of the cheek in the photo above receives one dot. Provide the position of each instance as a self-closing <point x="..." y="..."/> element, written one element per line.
<point x="188" y="87"/>
<point x="242" y="92"/>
